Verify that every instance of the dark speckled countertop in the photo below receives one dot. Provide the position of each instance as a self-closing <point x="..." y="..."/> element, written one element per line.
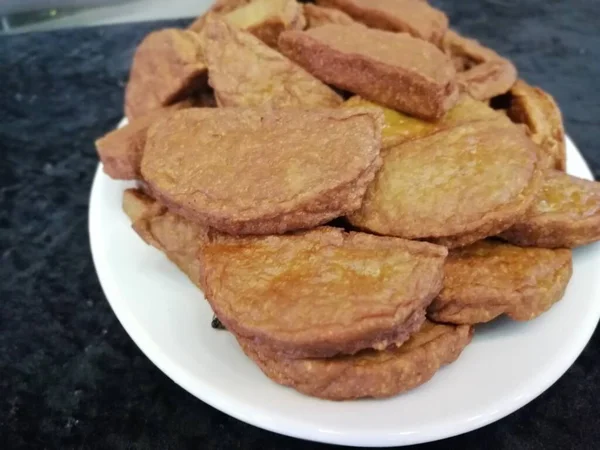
<point x="70" y="377"/>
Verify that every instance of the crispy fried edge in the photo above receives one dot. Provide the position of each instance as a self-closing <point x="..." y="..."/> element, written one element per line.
<point x="552" y="230"/>
<point x="349" y="340"/>
<point x="354" y="381"/>
<point x="475" y="80"/>
<point x="341" y="199"/>
<point x="384" y="20"/>
<point x="493" y="222"/>
<point x="470" y="309"/>
<point x="525" y="104"/>
<point x="382" y="83"/>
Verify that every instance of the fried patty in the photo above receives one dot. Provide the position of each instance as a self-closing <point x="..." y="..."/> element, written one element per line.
<point x="369" y="373"/>
<point x="490" y="278"/>
<point x="453" y="187"/>
<point x="245" y="72"/>
<point x="400" y="127"/>
<point x="391" y="69"/>
<point x="322" y="292"/>
<point x="415" y="17"/>
<point x="250" y="171"/>
<point x="538" y="111"/>
<point x="482" y="73"/>
<point x="565" y="213"/>
<point x="168" y="66"/>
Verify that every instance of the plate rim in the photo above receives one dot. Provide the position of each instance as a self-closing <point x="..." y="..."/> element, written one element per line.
<point x="203" y="390"/>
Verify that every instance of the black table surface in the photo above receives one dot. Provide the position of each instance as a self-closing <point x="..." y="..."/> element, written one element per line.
<point x="70" y="377"/>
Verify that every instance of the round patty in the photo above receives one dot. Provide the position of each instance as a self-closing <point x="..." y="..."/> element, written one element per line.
<point x="252" y="171"/>
<point x="565" y="213"/>
<point x="369" y="373"/>
<point x="454" y="187"/>
<point x="323" y="292"/>
<point x="490" y="278"/>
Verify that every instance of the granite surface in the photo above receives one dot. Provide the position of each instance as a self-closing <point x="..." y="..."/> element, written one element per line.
<point x="70" y="377"/>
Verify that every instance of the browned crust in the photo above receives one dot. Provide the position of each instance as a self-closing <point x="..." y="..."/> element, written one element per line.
<point x="369" y="373"/>
<point x="393" y="85"/>
<point x="317" y="16"/>
<point x="382" y="220"/>
<point x="336" y="194"/>
<point x="553" y="233"/>
<point x="220" y="7"/>
<point x="495" y="222"/>
<point x="167" y="67"/>
<point x="379" y="339"/>
<point x="139" y="206"/>
<point x="179" y="239"/>
<point x="399" y="127"/>
<point x="488" y="79"/>
<point x="537" y="110"/>
<point x="265" y="19"/>
<point x="482" y="72"/>
<point x="565" y="225"/>
<point x="491" y="278"/>
<point x="245" y="72"/>
<point x="291" y="18"/>
<point x="415" y="17"/>
<point x="280" y="270"/>
<point x="121" y="150"/>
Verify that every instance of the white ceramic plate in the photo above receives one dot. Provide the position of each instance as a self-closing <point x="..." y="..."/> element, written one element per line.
<point x="507" y="365"/>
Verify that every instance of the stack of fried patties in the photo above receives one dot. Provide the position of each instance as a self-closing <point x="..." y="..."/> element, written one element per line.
<point x="331" y="175"/>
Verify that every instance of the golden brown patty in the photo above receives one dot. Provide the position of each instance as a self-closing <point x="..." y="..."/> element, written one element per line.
<point x="400" y="127"/>
<point x="537" y="110"/>
<point x="219" y="8"/>
<point x="490" y="278"/>
<point x="454" y="187"/>
<point x="369" y="373"/>
<point x="245" y="72"/>
<point x="322" y="292"/>
<point x="392" y="69"/>
<point x="481" y="71"/>
<point x="249" y="171"/>
<point x="168" y="66"/>
<point x="415" y="17"/>
<point x="565" y="213"/>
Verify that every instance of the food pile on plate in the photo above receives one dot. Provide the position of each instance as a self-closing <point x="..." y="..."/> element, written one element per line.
<point x="352" y="184"/>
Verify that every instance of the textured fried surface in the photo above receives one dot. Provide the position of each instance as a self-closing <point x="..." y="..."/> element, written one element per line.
<point x="121" y="150"/>
<point x="565" y="213"/>
<point x="392" y="69"/>
<point x="322" y="292"/>
<point x="266" y="19"/>
<point x="220" y="7"/>
<point x="454" y="187"/>
<point x="249" y="171"/>
<point x="481" y="71"/>
<point x="175" y="236"/>
<point x="400" y="127"/>
<point x="317" y="16"/>
<point x="539" y="112"/>
<point x="168" y="66"/>
<point x="490" y="278"/>
<point x="415" y="17"/>
<point x="369" y="373"/>
<point x="245" y="72"/>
